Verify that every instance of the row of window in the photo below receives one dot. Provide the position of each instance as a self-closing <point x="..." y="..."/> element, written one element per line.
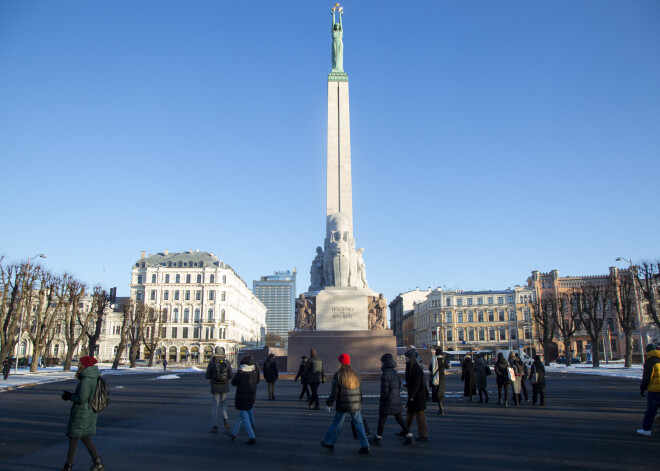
<point x="153" y="295"/>
<point x="468" y="316"/>
<point x="177" y="278"/>
<point x="185" y="317"/>
<point x="480" y="300"/>
<point x="493" y="334"/>
<point x="185" y="331"/>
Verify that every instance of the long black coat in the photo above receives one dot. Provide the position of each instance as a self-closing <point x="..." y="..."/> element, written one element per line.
<point x="390" y="389"/>
<point x="440" y="364"/>
<point x="537" y="367"/>
<point x="467" y="375"/>
<point x="502" y="372"/>
<point x="270" y="371"/>
<point x="480" y="375"/>
<point x="348" y="400"/>
<point x="416" y="384"/>
<point x="246" y="385"/>
<point x="302" y="372"/>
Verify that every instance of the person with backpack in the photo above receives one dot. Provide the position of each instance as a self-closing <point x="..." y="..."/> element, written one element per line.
<point x="245" y="380"/>
<point x="439" y="364"/>
<point x="219" y="373"/>
<point x="270" y="375"/>
<point x="537" y="378"/>
<point x="302" y="374"/>
<point x="481" y="371"/>
<point x="82" y="419"/>
<point x="347" y="392"/>
<point x="315" y="376"/>
<point x="503" y="379"/>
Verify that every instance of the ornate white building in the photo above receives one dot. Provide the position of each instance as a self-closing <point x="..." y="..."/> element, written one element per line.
<point x="207" y="306"/>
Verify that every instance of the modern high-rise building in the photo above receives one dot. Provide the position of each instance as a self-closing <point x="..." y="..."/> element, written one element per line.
<point x="278" y="293"/>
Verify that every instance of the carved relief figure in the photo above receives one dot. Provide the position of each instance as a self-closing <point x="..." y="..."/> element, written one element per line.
<point x="316" y="271"/>
<point x="378" y="313"/>
<point x="305" y="314"/>
<point x="361" y="270"/>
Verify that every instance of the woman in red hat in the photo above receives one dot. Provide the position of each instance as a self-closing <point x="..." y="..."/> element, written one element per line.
<point x="82" y="420"/>
<point x="346" y="390"/>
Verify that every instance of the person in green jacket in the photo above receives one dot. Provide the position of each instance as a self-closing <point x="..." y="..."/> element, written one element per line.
<point x="82" y="420"/>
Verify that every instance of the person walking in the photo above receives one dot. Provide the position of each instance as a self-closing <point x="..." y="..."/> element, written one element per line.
<point x="467" y="376"/>
<point x="82" y="419"/>
<point x="521" y="365"/>
<point x="537" y="378"/>
<point x="439" y="364"/>
<point x="651" y="385"/>
<point x="270" y="375"/>
<point x="347" y="392"/>
<point x="390" y="400"/>
<point x="302" y="374"/>
<point x="245" y="380"/>
<point x="165" y="363"/>
<point x="6" y="367"/>
<point x="417" y="394"/>
<point x="219" y="373"/>
<point x="516" y="381"/>
<point x="503" y="380"/>
<point x="481" y="372"/>
<point x="315" y="376"/>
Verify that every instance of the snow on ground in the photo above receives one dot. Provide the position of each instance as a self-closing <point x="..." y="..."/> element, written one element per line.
<point x="615" y="369"/>
<point x="168" y="377"/>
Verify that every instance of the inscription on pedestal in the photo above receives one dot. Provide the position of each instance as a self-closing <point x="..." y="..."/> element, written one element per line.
<point x="338" y="309"/>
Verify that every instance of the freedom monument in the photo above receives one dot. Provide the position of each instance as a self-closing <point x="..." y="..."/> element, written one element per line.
<point x="340" y="313"/>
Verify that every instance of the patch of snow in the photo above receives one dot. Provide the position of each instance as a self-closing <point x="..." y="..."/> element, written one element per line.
<point x="612" y="369"/>
<point x="168" y="377"/>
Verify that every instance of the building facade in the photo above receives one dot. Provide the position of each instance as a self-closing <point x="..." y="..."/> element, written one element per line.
<point x="206" y="306"/>
<point x="400" y="306"/>
<point x="278" y="293"/>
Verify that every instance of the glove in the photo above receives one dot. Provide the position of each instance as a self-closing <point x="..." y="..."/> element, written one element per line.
<point x="66" y="395"/>
<point x="642" y="393"/>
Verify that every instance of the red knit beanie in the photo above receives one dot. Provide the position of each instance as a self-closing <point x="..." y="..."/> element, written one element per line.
<point x="344" y="359"/>
<point x="88" y="361"/>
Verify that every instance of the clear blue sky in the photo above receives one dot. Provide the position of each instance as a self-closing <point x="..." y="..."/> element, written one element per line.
<point x="489" y="138"/>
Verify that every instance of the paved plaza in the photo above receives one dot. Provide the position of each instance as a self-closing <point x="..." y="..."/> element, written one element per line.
<point x="163" y="424"/>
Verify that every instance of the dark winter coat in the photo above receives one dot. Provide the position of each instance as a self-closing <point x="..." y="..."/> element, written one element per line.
<point x="468" y="376"/>
<point x="82" y="419"/>
<point x="348" y="400"/>
<point x="246" y="380"/>
<point x="390" y="389"/>
<point x="6" y="367"/>
<point x="314" y="371"/>
<point x="480" y="375"/>
<point x="537" y="367"/>
<point x="416" y="384"/>
<point x="212" y="374"/>
<point x="651" y="375"/>
<point x="502" y="372"/>
<point x="270" y="371"/>
<point x="437" y="369"/>
<point x="302" y="372"/>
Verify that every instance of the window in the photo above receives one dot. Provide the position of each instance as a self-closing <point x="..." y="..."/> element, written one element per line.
<point x="166" y="295"/>
<point x="176" y="294"/>
<point x="491" y="316"/>
<point x="459" y="301"/>
<point x="199" y="278"/>
<point x="509" y="299"/>
<point x="169" y="264"/>
<point x="448" y="317"/>
<point x="480" y="301"/>
<point x="491" y="334"/>
<point x="501" y="316"/>
<point x="178" y="278"/>
<point x="198" y="295"/>
<point x="512" y="315"/>
<point x="186" y="315"/>
<point x="470" y="316"/>
<point x="152" y="295"/>
<point x="482" y="333"/>
<point x="502" y="333"/>
<point x="197" y="315"/>
<point x="224" y="279"/>
<point x="514" y="334"/>
<point x="610" y="323"/>
<point x="167" y="278"/>
<point x="164" y="317"/>
<point x="184" y="334"/>
<point x="448" y="301"/>
<point x="480" y="316"/>
<point x="613" y="346"/>
<point x="459" y="316"/>
<point x="526" y="314"/>
<point x="153" y="277"/>
<point x="461" y="335"/>
<point x="490" y="300"/>
<point x="163" y="332"/>
<point x="222" y="315"/>
<point x="469" y="301"/>
<point x="188" y="278"/>
<point x="223" y="296"/>
<point x="435" y="318"/>
<point x="527" y="334"/>
<point x="175" y="314"/>
<point x="212" y="280"/>
<point x="210" y="318"/>
<point x="500" y="300"/>
<point x="173" y="332"/>
<point x="138" y="295"/>
<point x="449" y="335"/>
<point x="180" y="264"/>
<point x="471" y="335"/>
<point x="116" y="330"/>
<point x="211" y="295"/>
<point x="196" y="333"/>
<point x="187" y="297"/>
<point x="139" y="279"/>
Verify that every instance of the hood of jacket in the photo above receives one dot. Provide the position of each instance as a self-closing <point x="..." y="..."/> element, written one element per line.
<point x="479" y="362"/>
<point x="246" y="368"/>
<point x="90" y="372"/>
<point x="388" y="363"/>
<point x="653" y="354"/>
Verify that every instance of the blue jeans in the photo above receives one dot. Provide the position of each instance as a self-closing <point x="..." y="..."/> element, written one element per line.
<point x="652" y="404"/>
<point x="246" y="419"/>
<point x="335" y="428"/>
<point x="218" y="400"/>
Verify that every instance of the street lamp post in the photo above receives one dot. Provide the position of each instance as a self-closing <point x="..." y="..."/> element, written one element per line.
<point x="639" y="311"/>
<point x="20" y="328"/>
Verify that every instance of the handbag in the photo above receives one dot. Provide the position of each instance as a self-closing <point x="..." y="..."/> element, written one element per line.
<point x="512" y="374"/>
<point x="488" y="371"/>
<point x="534" y="378"/>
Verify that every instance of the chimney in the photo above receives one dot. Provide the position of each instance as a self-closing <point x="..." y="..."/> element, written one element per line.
<point x="143" y="254"/>
<point x="167" y="252"/>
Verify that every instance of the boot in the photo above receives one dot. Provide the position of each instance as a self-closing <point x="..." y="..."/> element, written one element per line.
<point x="409" y="440"/>
<point x="67" y="467"/>
<point x="98" y="466"/>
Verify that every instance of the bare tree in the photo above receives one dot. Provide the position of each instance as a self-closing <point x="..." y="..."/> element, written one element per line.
<point x="567" y="320"/>
<point x="625" y="310"/>
<point x="100" y="303"/>
<point x="155" y="321"/>
<point x="542" y="314"/>
<point x="137" y="331"/>
<point x="590" y="302"/>
<point x="127" y="308"/>
<point x="647" y="275"/>
<point x="74" y="316"/>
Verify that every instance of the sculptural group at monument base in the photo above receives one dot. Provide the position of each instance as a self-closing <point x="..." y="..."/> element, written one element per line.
<point x="305" y="313"/>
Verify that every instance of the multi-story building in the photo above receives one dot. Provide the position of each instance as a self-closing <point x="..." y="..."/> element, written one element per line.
<point x="475" y="320"/>
<point x="399" y="307"/>
<point x="278" y="293"/>
<point x="207" y="307"/>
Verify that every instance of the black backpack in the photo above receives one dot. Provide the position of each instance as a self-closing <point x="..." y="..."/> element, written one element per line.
<point x="221" y="372"/>
<point x="101" y="397"/>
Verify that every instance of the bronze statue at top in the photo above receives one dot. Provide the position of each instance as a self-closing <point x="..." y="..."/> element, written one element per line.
<point x="337" y="42"/>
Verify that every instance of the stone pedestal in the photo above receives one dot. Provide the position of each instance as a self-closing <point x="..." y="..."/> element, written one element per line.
<point x="364" y="346"/>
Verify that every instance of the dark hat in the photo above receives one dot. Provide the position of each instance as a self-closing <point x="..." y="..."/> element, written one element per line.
<point x="304" y="357"/>
<point x="650" y="347"/>
<point x="385" y="357"/>
<point x="412" y="354"/>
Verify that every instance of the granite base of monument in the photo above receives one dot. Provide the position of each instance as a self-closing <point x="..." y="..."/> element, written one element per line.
<point x="365" y="348"/>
